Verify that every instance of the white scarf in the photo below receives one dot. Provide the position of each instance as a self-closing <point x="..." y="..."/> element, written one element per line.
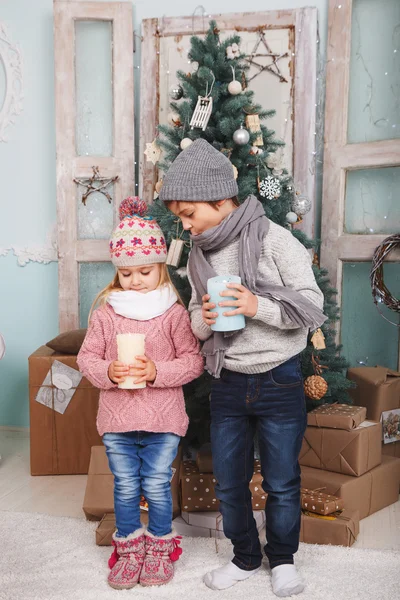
<point x="143" y="307"/>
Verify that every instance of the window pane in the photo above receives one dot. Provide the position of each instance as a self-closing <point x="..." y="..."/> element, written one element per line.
<point x="94" y="91"/>
<point x="372" y="202"/>
<point x="95" y="217"/>
<point x="366" y="336"/>
<point x="93" y="277"/>
<point x="374" y="95"/>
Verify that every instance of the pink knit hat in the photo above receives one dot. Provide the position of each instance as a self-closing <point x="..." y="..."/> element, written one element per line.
<point x="138" y="239"/>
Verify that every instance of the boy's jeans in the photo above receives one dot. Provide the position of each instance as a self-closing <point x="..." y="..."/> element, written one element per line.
<point x="141" y="464"/>
<point x="272" y="404"/>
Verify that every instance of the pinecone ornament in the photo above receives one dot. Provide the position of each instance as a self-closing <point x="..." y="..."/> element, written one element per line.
<point x="315" y="387"/>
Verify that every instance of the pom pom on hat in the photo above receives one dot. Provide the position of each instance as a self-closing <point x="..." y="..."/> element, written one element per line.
<point x="132" y="206"/>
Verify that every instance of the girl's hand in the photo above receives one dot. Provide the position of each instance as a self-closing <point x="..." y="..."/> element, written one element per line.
<point x="208" y="316"/>
<point x="117" y="371"/>
<point x="245" y="304"/>
<point x="144" y="371"/>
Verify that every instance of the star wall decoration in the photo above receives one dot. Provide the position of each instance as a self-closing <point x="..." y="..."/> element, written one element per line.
<point x="153" y="152"/>
<point x="273" y="66"/>
<point x="96" y="184"/>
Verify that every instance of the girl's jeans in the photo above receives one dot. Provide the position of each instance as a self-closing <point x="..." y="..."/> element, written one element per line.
<point x="141" y="464"/>
<point x="272" y="404"/>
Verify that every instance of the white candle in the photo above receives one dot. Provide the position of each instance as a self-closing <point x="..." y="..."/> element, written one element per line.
<point x="130" y="345"/>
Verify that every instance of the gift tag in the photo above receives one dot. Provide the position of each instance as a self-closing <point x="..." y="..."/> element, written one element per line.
<point x="318" y="340"/>
<point x="175" y="253"/>
<point x="62" y="381"/>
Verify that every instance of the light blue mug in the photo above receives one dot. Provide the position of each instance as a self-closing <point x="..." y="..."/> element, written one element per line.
<point x="216" y="285"/>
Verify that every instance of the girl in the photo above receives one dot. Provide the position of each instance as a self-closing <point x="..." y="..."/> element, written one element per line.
<point x="258" y="384"/>
<point x="141" y="428"/>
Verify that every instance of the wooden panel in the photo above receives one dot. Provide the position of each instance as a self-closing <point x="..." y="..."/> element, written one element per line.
<point x="69" y="166"/>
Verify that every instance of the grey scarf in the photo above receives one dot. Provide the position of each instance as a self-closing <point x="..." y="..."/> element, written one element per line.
<point x="250" y="223"/>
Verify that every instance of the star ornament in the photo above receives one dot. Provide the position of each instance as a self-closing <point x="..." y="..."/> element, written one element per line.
<point x="272" y="67"/>
<point x="96" y="184"/>
<point x="152" y="152"/>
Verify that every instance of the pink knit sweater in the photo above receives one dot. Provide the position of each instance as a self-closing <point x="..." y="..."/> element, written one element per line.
<point x="172" y="346"/>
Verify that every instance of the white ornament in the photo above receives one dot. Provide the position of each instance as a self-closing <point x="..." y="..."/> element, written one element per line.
<point x="270" y="188"/>
<point x="202" y="113"/>
<point x="152" y="152"/>
<point x="301" y="205"/>
<point x="274" y="161"/>
<point x="185" y="143"/>
<point x="173" y="118"/>
<point x="291" y="217"/>
<point x="194" y="65"/>
<point x="235" y="172"/>
<point x="232" y="51"/>
<point x="241" y="136"/>
<point x="235" y="87"/>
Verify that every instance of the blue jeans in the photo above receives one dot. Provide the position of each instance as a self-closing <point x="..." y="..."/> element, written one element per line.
<point x="273" y="404"/>
<point x="141" y="464"/>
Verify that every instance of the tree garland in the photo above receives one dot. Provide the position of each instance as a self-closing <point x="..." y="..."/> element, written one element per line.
<point x="380" y="292"/>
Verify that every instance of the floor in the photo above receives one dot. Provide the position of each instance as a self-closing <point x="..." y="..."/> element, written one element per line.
<point x="62" y="495"/>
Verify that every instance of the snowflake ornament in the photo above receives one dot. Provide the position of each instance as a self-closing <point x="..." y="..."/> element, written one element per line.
<point x="269" y="188"/>
<point x="153" y="152"/>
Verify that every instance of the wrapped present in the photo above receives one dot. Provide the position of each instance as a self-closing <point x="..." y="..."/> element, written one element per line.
<point x="337" y="416"/>
<point x="63" y="408"/>
<point x="106" y="528"/>
<point x="339" y="530"/>
<point x="204" y="459"/>
<point x="351" y="452"/>
<point x="316" y="501"/>
<point x="378" y="389"/>
<point x="209" y="524"/>
<point x="367" y="494"/>
<point x="99" y="493"/>
<point x="197" y="488"/>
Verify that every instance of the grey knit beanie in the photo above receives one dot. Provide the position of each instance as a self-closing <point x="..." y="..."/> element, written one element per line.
<point x="199" y="173"/>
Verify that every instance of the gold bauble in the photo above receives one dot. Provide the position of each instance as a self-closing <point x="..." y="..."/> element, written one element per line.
<point x="315" y="387"/>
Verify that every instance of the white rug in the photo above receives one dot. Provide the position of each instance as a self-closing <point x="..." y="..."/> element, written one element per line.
<point x="53" y="558"/>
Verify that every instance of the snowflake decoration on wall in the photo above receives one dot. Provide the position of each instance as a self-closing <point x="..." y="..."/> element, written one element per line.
<point x="269" y="188"/>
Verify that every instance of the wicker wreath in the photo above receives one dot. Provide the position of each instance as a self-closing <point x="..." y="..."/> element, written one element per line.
<point x="380" y="292"/>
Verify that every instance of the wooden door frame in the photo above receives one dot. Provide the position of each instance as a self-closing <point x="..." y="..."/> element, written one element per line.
<point x="298" y="20"/>
<point x="72" y="251"/>
<point x="339" y="157"/>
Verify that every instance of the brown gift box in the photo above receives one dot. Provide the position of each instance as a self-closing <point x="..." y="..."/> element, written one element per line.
<point x="197" y="488"/>
<point x="378" y="389"/>
<point x="316" y="501"/>
<point x="337" y="416"/>
<point x="368" y="493"/>
<point x="99" y="493"/>
<point x="60" y="444"/>
<point x="106" y="528"/>
<point x="349" y="452"/>
<point x="341" y="531"/>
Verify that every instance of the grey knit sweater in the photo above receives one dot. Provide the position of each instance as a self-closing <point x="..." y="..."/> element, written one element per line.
<point x="268" y="339"/>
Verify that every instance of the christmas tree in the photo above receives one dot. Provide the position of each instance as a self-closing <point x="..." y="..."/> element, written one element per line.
<point x="232" y="124"/>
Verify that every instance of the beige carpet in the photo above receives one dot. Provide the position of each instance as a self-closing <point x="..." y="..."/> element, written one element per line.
<point x="55" y="558"/>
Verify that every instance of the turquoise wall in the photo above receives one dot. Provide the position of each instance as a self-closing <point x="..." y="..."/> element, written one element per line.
<point x="28" y="298"/>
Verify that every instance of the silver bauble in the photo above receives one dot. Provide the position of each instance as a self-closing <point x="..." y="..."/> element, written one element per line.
<point x="301" y="205"/>
<point x="185" y="143"/>
<point x="241" y="136"/>
<point x="176" y="92"/>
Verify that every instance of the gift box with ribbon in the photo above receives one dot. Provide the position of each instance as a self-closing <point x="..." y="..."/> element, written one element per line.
<point x="316" y="501"/>
<point x="337" y="416"/>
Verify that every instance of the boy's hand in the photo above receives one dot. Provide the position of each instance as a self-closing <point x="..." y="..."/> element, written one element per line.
<point x="245" y="304"/>
<point x="208" y="316"/>
<point x="117" y="371"/>
<point x="145" y="370"/>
